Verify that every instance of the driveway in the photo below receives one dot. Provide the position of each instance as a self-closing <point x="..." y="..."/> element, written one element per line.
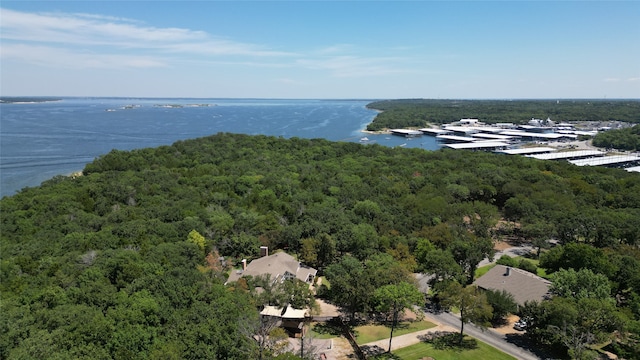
<point x="512" y="251"/>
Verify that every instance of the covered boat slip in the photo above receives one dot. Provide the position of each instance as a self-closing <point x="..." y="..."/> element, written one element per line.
<point x="529" y="150"/>
<point x="406" y="132"/>
<point x="455" y="138"/>
<point x="607" y="160"/>
<point x="538" y="136"/>
<point x="493" y="136"/>
<point x="568" y="155"/>
<point x="479" y="145"/>
<point x="434" y="132"/>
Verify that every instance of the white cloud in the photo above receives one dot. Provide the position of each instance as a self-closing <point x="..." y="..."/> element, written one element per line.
<point x="95" y="41"/>
<point x="63" y="58"/>
<point x="63" y="33"/>
<point x="633" y="79"/>
<point x="85" y="30"/>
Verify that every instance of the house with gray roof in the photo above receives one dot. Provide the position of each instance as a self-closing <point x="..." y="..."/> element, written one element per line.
<point x="523" y="285"/>
<point x="281" y="266"/>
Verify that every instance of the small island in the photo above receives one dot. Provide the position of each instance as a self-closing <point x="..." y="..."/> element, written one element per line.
<point x="26" y="99"/>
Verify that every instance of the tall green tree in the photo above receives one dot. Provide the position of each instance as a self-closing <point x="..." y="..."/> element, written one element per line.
<point x="471" y="302"/>
<point x="468" y="251"/>
<point x="503" y="303"/>
<point x="395" y="299"/>
<point x="350" y="287"/>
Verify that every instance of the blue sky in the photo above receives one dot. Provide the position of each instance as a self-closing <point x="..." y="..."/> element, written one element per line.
<point x="321" y="49"/>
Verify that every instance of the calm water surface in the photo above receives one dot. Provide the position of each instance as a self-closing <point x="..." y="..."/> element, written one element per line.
<point x="42" y="140"/>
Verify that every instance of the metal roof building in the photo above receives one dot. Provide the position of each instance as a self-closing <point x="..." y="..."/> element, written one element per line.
<point x="493" y="136"/>
<point x="606" y="160"/>
<point x="432" y="131"/>
<point x="454" y="138"/>
<point x="532" y="135"/>
<point x="406" y="132"/>
<point x="568" y="155"/>
<point x="478" y="145"/>
<point x="633" y="169"/>
<point x="529" y="150"/>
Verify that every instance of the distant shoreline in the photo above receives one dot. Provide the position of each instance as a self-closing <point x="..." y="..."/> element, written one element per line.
<point x="26" y="100"/>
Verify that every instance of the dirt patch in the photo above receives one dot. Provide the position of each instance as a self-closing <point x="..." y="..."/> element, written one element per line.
<point x="409" y="315"/>
<point x="501" y="245"/>
<point x="326" y="309"/>
<point x="508" y="327"/>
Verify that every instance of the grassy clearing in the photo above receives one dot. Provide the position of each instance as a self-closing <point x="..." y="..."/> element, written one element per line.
<point x="539" y="271"/>
<point x="421" y="350"/>
<point x="368" y="333"/>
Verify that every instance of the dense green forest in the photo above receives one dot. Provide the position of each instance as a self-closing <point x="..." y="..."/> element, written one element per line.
<point x="111" y="264"/>
<point x="621" y="139"/>
<point x="421" y="112"/>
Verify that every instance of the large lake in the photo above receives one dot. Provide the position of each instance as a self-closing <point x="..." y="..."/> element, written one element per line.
<point x="41" y="140"/>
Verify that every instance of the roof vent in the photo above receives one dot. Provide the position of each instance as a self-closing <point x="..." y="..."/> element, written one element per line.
<point x="508" y="272"/>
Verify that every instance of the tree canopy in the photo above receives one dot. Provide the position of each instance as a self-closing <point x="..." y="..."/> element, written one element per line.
<point x="621" y="139"/>
<point x="122" y="260"/>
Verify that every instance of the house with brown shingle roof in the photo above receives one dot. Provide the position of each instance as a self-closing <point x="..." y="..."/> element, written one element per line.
<point x="281" y="266"/>
<point x="523" y="285"/>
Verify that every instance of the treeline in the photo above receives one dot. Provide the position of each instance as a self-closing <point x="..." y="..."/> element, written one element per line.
<point x="621" y="139"/>
<point x="105" y="265"/>
<point x="28" y="99"/>
<point x="421" y="112"/>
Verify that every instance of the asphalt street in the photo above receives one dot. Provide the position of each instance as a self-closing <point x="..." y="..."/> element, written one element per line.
<point x="488" y="336"/>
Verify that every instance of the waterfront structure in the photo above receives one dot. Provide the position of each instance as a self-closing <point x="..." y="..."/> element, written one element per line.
<point x="529" y="150"/>
<point x="479" y="145"/>
<point x="565" y="155"/>
<point x="406" y="132"/>
<point x="615" y="160"/>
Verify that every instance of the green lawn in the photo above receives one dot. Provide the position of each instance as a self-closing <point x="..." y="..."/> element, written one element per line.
<point x="483" y="270"/>
<point x="483" y="351"/>
<point x="539" y="271"/>
<point x="368" y="333"/>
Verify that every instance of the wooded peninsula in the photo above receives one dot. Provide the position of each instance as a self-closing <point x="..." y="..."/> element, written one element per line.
<point x="125" y="261"/>
<point x="422" y="112"/>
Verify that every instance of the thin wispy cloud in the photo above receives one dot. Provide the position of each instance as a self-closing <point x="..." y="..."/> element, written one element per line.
<point x="80" y="40"/>
<point x="355" y="66"/>
<point x="62" y="58"/>
<point x="85" y="40"/>
<point x="83" y="30"/>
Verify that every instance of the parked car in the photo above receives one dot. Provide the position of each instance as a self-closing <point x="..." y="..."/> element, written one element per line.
<point x="520" y="325"/>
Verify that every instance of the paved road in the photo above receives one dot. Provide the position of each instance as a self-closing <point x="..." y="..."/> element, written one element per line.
<point x="488" y="336"/>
